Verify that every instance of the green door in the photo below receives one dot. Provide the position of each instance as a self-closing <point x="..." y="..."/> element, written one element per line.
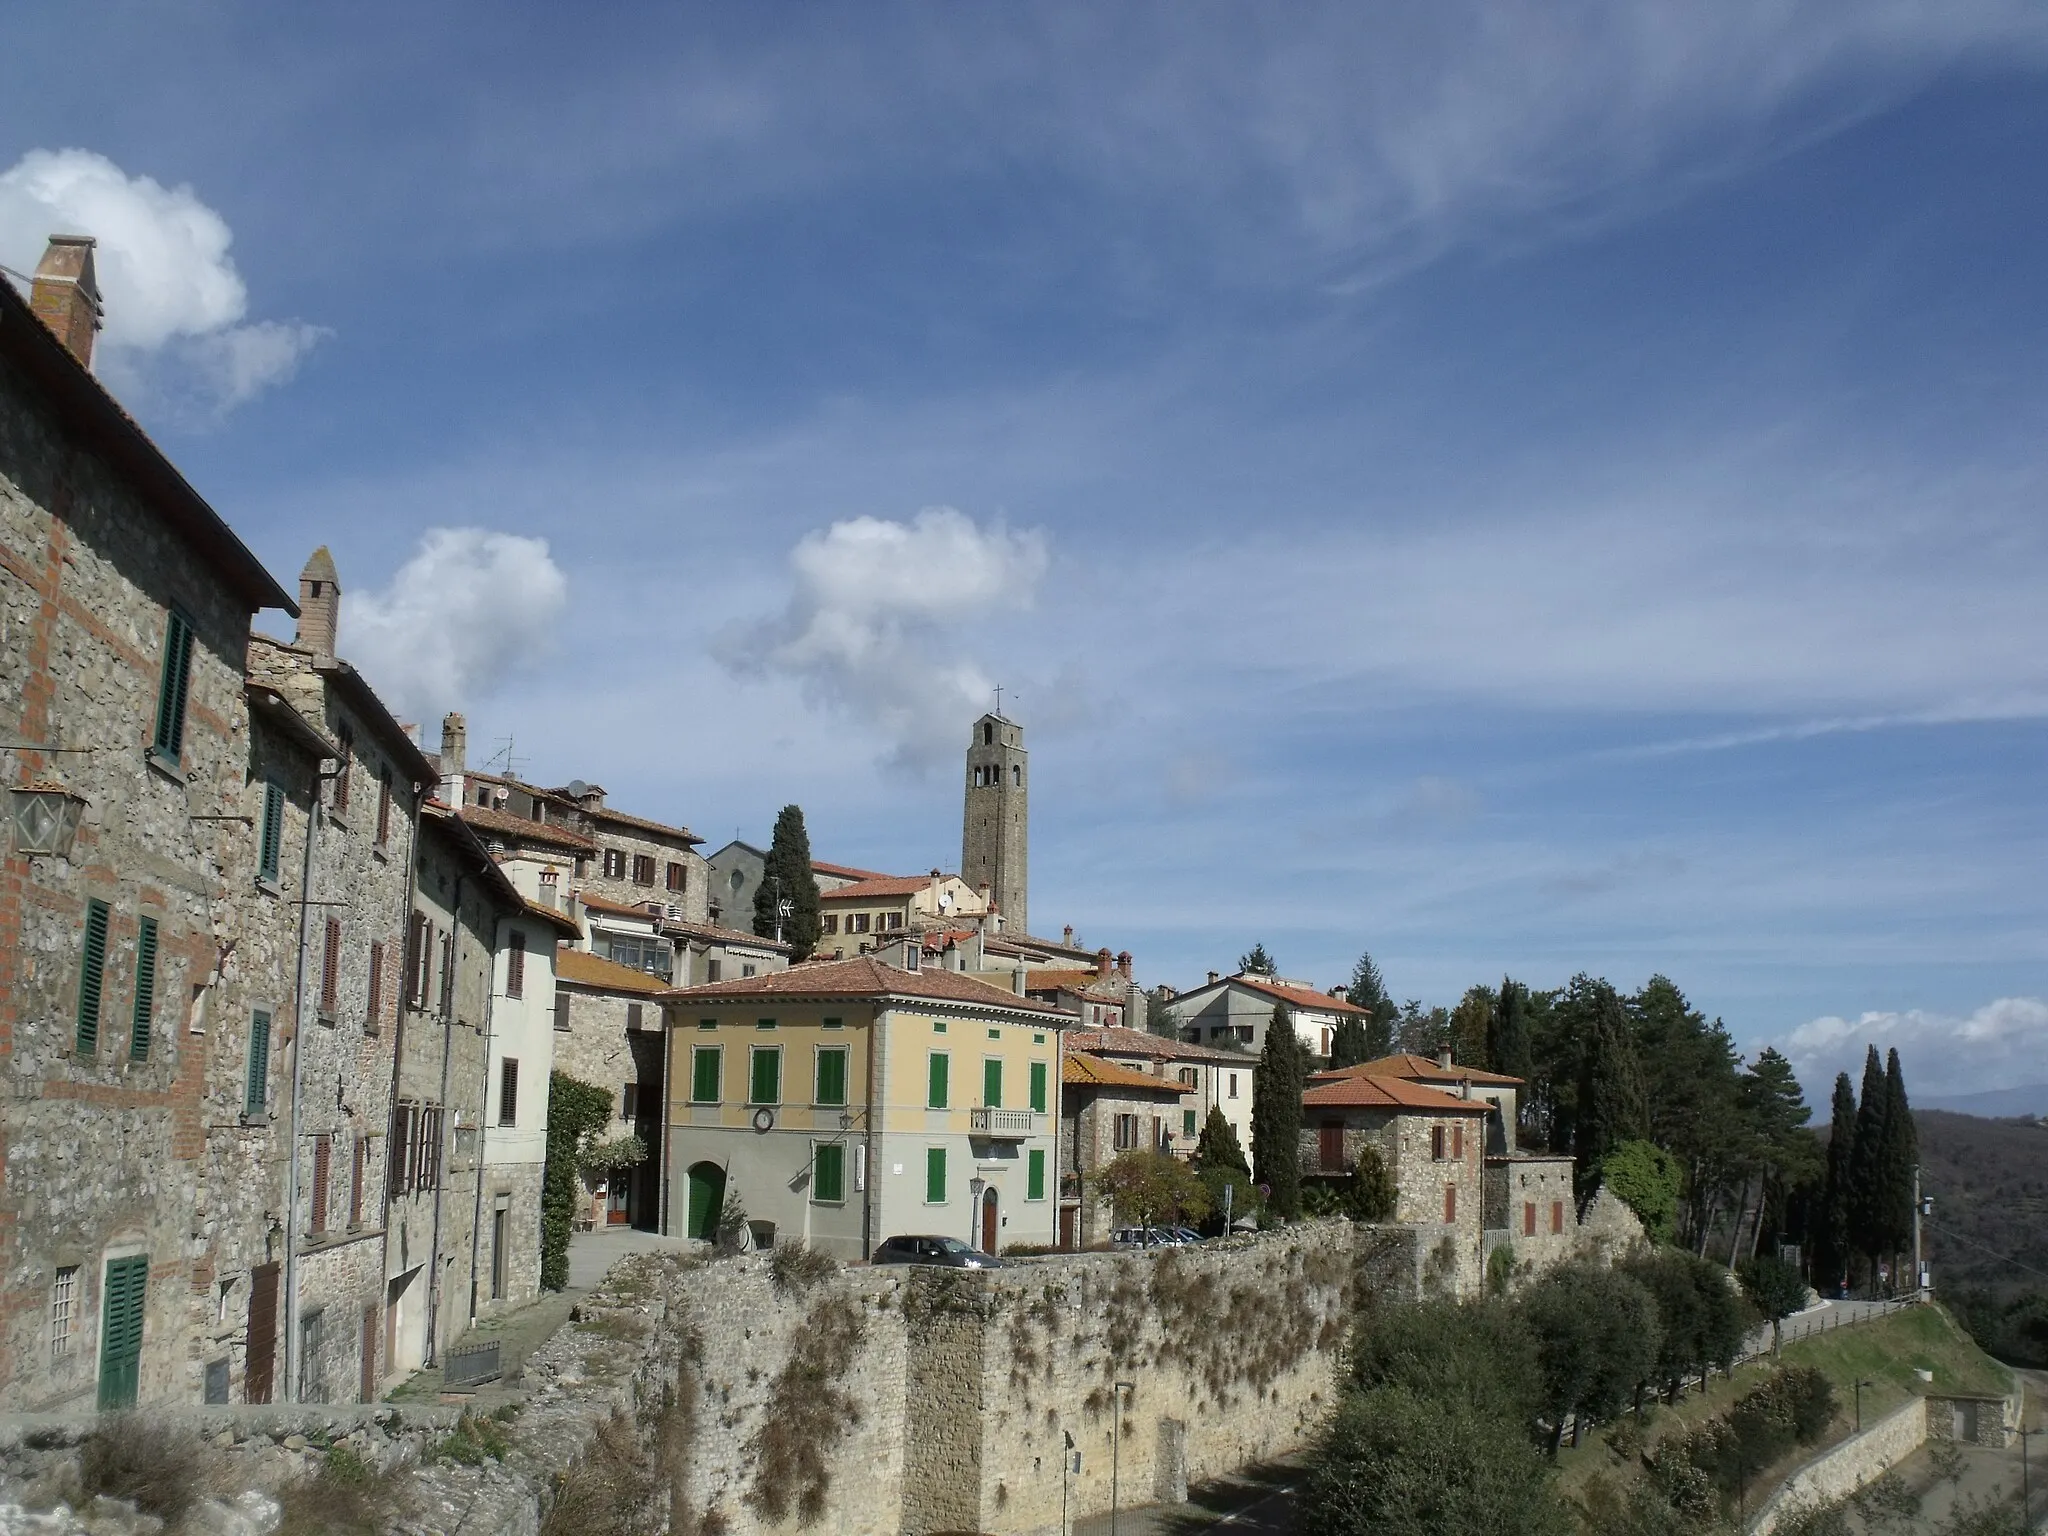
<point x="707" y="1198"/>
<point x="121" y="1330"/>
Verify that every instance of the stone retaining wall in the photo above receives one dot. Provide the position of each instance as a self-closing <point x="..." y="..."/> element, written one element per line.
<point x="1840" y="1472"/>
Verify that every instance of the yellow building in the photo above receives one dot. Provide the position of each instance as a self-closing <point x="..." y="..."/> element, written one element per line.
<point x="849" y="1101"/>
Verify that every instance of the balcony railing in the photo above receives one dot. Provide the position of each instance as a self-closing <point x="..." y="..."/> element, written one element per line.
<point x="1001" y="1122"/>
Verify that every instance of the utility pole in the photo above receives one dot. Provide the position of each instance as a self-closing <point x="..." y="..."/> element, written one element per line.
<point x="1116" y="1446"/>
<point x="1922" y="1205"/>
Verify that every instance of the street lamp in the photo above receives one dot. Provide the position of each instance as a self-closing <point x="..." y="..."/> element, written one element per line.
<point x="2026" y="1482"/>
<point x="1116" y="1445"/>
<point x="1859" y="1403"/>
<point x="1070" y="1461"/>
<point x="975" y="1186"/>
<point x="44" y="818"/>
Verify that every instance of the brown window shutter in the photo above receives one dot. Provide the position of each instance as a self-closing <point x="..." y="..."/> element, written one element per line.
<point x="330" y="969"/>
<point x="415" y="978"/>
<point x="1450" y="1202"/>
<point x="399" y="1151"/>
<point x="515" y="967"/>
<point x="367" y="1386"/>
<point x="384" y="806"/>
<point x="322" y="1153"/>
<point x="262" y="1337"/>
<point x="373" y="1015"/>
<point x="1458" y="1143"/>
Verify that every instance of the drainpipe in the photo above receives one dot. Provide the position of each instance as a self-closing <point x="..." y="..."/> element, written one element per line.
<point x="291" y="1165"/>
<point x="868" y="1169"/>
<point x="483" y="1130"/>
<point x="447" y="1131"/>
<point x="1059" y="1083"/>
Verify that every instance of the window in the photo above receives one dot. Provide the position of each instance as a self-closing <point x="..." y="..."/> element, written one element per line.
<point x="398" y="1171"/>
<point x="1189" y="1077"/>
<point x="831" y="1074"/>
<point x="614" y="864"/>
<point x="704" y="1071"/>
<point x="508" y="1092"/>
<point x="1450" y="1202"/>
<point x="145" y="990"/>
<point x="746" y="971"/>
<point x="831" y="922"/>
<point x="64" y="1312"/>
<point x="1034" y="1174"/>
<point x="383" y="807"/>
<point x="373" y="1016"/>
<point x="1436" y="1143"/>
<point x="1528" y="1218"/>
<point x="935" y="1176"/>
<point x="1556" y="1217"/>
<point x="418" y="959"/>
<point x="1038" y="1081"/>
<point x="654" y="956"/>
<point x="629" y="1102"/>
<point x="1187" y="1123"/>
<point x="992" y="1083"/>
<point x="635" y="1014"/>
<point x="828" y="1174"/>
<point x="562" y="1011"/>
<point x="330" y="971"/>
<point x="1233" y="1085"/>
<point x="678" y="876"/>
<point x="1458" y="1143"/>
<point x="892" y="920"/>
<point x="270" y="845"/>
<point x="764" y="1077"/>
<point x="714" y="970"/>
<point x="175" y="683"/>
<point x="92" y="975"/>
<point x="515" y="967"/>
<point x="447" y="971"/>
<point x="643" y="869"/>
<point x="323" y="1157"/>
<point x="988" y="735"/>
<point x="857" y="923"/>
<point x="256" y="1091"/>
<point x="936" y="1086"/>
<point x="1126" y="1132"/>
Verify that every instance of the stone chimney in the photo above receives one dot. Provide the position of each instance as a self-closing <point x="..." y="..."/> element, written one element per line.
<point x="1123" y="964"/>
<point x="320" y="606"/>
<point x="454" y="745"/>
<point x="65" y="294"/>
<point x="1102" y="961"/>
<point x="1214" y="978"/>
<point x="1443" y="1055"/>
<point x="1018" y="979"/>
<point x="1068" y="940"/>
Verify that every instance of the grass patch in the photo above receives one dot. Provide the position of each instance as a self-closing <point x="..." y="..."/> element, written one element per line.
<point x="346" y="1497"/>
<point x="1885" y="1353"/>
<point x="795" y="1268"/>
<point x="474" y="1441"/>
<point x="607" y="1489"/>
<point x="159" y="1469"/>
<point x="619" y="1327"/>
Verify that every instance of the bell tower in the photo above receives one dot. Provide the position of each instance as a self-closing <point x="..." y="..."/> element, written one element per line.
<point x="995" y="829"/>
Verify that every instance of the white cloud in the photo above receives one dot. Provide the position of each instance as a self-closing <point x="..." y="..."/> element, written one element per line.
<point x="2004" y="1044"/>
<point x="882" y="616"/>
<point x="468" y="610"/>
<point x="174" y="300"/>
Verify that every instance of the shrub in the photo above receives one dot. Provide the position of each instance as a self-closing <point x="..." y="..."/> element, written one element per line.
<point x="575" y="1109"/>
<point x="473" y="1441"/>
<point x="1153" y="1189"/>
<point x="1370" y="1194"/>
<point x="346" y="1497"/>
<point x="795" y="1269"/>
<point x="808" y="1412"/>
<point x="606" y="1490"/>
<point x="1478" y="1354"/>
<point x="1647" y="1179"/>
<point x="155" y="1467"/>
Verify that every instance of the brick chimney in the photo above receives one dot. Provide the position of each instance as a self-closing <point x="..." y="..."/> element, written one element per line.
<point x="319" y="604"/>
<point x="65" y="294"/>
<point x="1102" y="961"/>
<point x="454" y="744"/>
<point x="1123" y="964"/>
<point x="1443" y="1055"/>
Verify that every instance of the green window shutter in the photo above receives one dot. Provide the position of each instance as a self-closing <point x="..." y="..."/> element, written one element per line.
<point x="935" y="1176"/>
<point x="992" y="1084"/>
<point x="1187" y="1122"/>
<point x="92" y="977"/>
<point x="174" y="685"/>
<point x="832" y="1075"/>
<point x="1038" y="1071"/>
<point x="828" y="1173"/>
<point x="704" y="1062"/>
<point x="935" y="1096"/>
<point x="255" y="1093"/>
<point x="1034" y="1175"/>
<point x="270" y="847"/>
<point x="124" y="1288"/>
<point x="767" y="1075"/>
<point x="145" y="989"/>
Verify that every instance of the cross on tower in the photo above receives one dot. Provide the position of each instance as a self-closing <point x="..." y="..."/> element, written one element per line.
<point x="999" y="700"/>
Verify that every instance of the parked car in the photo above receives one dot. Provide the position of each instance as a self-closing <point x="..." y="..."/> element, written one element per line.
<point x="949" y="1251"/>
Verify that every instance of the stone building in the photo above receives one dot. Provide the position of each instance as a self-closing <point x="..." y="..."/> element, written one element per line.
<point x="848" y="1101"/>
<point x="125" y="605"/>
<point x="639" y="861"/>
<point x="1105" y="1108"/>
<point x="1445" y="1075"/>
<point x="608" y="1023"/>
<point x="1531" y="1209"/>
<point x="858" y="916"/>
<point x="1235" y="1010"/>
<point x="995" y="823"/>
<point x="1209" y="1079"/>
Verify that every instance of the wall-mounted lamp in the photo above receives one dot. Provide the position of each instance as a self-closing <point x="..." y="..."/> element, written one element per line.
<point x="44" y="818"/>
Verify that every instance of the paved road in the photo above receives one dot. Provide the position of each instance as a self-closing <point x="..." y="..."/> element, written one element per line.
<point x="1829" y="1314"/>
<point x="1258" y="1501"/>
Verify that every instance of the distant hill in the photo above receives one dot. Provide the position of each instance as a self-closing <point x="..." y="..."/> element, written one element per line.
<point x="1989" y="1180"/>
<point x="1998" y="1104"/>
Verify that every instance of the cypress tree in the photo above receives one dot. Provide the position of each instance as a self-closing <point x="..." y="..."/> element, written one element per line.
<point x="1866" y="1178"/>
<point x="1831" y="1230"/>
<point x="1218" y="1146"/>
<point x="1897" y="1152"/>
<point x="1349" y="1042"/>
<point x="786" y="876"/>
<point x="1368" y="990"/>
<point x="1507" y="1033"/>
<point x="1276" y="1113"/>
<point x="1612" y="1104"/>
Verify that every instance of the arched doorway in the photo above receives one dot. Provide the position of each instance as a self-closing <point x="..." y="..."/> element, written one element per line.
<point x="707" y="1199"/>
<point x="990" y="1222"/>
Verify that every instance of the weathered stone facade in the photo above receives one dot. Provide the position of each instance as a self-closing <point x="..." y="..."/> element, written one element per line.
<point x="615" y="1039"/>
<point x="1435" y="1161"/>
<point x="995" y="822"/>
<point x="1105" y="1108"/>
<point x="1531" y="1200"/>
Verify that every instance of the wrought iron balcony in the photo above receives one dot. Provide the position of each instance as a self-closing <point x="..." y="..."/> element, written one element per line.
<point x="1002" y="1122"/>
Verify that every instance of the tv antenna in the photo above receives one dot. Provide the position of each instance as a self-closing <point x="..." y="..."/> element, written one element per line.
<point x="504" y="755"/>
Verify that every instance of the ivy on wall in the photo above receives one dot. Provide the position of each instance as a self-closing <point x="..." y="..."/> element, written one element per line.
<point x="575" y="1110"/>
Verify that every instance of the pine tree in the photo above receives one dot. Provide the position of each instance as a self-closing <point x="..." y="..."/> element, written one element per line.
<point x="1507" y="1031"/>
<point x="1218" y="1146"/>
<point x="1349" y="1042"/>
<point x="1472" y="1024"/>
<point x="1866" y="1181"/>
<point x="1276" y="1113"/>
<point x="1612" y="1107"/>
<point x="1832" y="1245"/>
<point x="786" y="876"/>
<point x="1257" y="962"/>
<point x="1368" y="990"/>
<point x="1897" y="1152"/>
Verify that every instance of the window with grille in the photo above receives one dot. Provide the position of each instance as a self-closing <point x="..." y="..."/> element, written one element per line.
<point x="508" y="1092"/>
<point x="92" y="977"/>
<point x="515" y="967"/>
<point x="145" y="990"/>
<point x="64" y="1312"/>
<point x="174" y="685"/>
<point x="270" y="842"/>
<point x="643" y="869"/>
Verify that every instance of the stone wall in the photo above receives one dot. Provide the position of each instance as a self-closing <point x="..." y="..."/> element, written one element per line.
<point x="1841" y="1471"/>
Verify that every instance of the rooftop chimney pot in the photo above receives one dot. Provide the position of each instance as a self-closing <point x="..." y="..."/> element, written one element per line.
<point x="320" y="607"/>
<point x="65" y="294"/>
<point x="454" y="744"/>
<point x="1214" y="978"/>
<point x="1102" y="961"/>
<point x="1070" y="935"/>
<point x="1443" y="1055"/>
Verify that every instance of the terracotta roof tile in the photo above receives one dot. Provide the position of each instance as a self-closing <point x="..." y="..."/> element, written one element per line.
<point x="1137" y="1042"/>
<point x="580" y="968"/>
<point x="885" y="885"/>
<point x="681" y="834"/>
<point x="847" y="871"/>
<point x="1388" y="1093"/>
<point x="866" y="977"/>
<point x="1070" y="981"/>
<point x="718" y="934"/>
<point x="489" y="819"/>
<point x="1421" y="1069"/>
<point x="1084" y="1071"/>
<point x="1300" y="997"/>
<point x="621" y="908"/>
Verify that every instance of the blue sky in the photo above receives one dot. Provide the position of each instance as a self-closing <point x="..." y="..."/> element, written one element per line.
<point x="1516" y="488"/>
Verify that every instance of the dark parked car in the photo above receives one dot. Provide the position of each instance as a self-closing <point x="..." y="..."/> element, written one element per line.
<point x="949" y="1251"/>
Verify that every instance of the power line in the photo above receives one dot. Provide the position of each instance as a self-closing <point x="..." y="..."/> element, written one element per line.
<point x="2002" y="1257"/>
